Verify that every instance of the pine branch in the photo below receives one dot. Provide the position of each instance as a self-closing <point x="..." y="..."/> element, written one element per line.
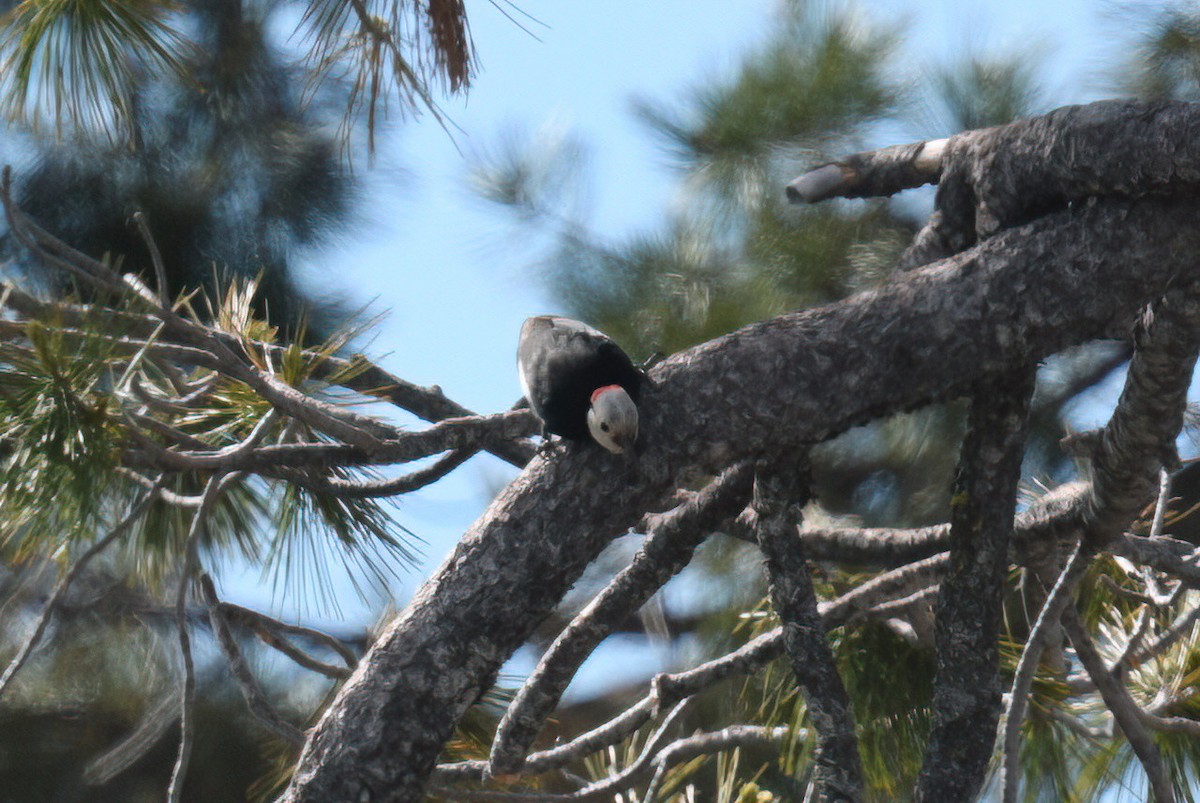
<point x="666" y="551"/>
<point x="64" y="584"/>
<point x="256" y="699"/>
<point x="780" y="492"/>
<point x="966" y="696"/>
<point x="1124" y="710"/>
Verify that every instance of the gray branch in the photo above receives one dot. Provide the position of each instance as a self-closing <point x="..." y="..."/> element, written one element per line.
<point x="252" y="691"/>
<point x="1123" y="707"/>
<point x="666" y="551"/>
<point x="778" y="498"/>
<point x="966" y="697"/>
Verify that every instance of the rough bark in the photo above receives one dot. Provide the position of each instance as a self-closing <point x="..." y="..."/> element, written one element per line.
<point x="966" y="699"/>
<point x="665" y="552"/>
<point x="1140" y="437"/>
<point x="1020" y="295"/>
<point x="796" y="379"/>
<point x="778" y="498"/>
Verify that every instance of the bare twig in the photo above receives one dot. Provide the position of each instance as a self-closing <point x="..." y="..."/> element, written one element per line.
<point x="873" y="173"/>
<point x="1124" y="709"/>
<point x="272" y="639"/>
<point x="393" y="486"/>
<point x="896" y="607"/>
<point x="677" y="752"/>
<point x="268" y="628"/>
<point x="187" y="694"/>
<point x="699" y="744"/>
<point x="160" y="271"/>
<point x="449" y="434"/>
<point x="602" y="789"/>
<point x="883" y="588"/>
<point x="121" y="756"/>
<point x="1018" y="698"/>
<point x="64" y="583"/>
<point x="256" y="699"/>
<point x="664" y="553"/>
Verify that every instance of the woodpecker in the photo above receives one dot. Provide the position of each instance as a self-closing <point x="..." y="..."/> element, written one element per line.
<point x="579" y="382"/>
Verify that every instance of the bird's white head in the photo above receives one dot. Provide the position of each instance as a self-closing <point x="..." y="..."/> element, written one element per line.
<point x="613" y="418"/>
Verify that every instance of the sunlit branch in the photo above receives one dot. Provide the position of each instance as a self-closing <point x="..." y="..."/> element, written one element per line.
<point x="699" y="744"/>
<point x="1125" y="711"/>
<point x="607" y="787"/>
<point x="1018" y="698"/>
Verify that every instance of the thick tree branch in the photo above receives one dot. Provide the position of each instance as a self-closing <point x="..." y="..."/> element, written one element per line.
<point x="666" y="551"/>
<point x="1139" y="439"/>
<point x="778" y="498"/>
<point x="1127" y="457"/>
<point x="966" y="697"/>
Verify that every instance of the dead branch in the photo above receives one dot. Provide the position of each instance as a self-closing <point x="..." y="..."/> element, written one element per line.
<point x="663" y="554"/>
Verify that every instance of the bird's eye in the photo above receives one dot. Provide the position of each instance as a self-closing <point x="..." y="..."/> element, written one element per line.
<point x="604" y="426"/>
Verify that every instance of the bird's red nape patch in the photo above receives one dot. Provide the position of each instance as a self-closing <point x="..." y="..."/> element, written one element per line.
<point x="596" y="393"/>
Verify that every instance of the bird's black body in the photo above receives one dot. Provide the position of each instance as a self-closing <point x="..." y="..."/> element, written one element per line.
<point x="562" y="362"/>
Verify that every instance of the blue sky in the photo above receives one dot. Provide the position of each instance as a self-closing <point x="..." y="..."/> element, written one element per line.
<point x="451" y="274"/>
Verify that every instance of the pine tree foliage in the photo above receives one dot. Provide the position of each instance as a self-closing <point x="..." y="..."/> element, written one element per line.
<point x="79" y="65"/>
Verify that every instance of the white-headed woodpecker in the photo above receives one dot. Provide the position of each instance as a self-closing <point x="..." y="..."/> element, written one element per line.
<point x="579" y="382"/>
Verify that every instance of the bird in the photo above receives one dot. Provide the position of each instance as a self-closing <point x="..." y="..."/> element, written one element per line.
<point x="579" y="382"/>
